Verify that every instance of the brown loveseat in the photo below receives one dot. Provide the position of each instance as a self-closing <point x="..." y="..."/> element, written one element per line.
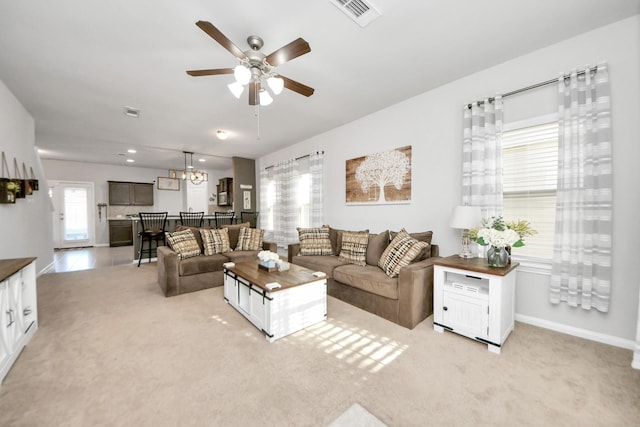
<point x="406" y="299"/>
<point x="177" y="276"/>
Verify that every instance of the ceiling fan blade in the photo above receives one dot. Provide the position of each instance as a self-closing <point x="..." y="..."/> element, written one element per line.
<point x="217" y="35"/>
<point x="286" y="53"/>
<point x="254" y="89"/>
<point x="216" y="71"/>
<point x="297" y="86"/>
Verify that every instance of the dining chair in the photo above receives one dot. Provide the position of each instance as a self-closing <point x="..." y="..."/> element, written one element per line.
<point x="191" y="219"/>
<point x="152" y="230"/>
<point x="224" y="218"/>
<point x="250" y="217"/>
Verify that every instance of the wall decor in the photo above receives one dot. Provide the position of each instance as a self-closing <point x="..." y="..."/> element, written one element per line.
<point x="168" y="183"/>
<point x="380" y="178"/>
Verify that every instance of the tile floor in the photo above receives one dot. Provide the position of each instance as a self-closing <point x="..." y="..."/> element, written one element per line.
<point x="89" y="258"/>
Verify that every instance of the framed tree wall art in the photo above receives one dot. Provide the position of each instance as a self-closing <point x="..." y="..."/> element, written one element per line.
<point x="380" y="178"/>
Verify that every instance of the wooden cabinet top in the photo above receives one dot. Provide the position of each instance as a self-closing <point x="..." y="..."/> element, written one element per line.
<point x="479" y="265"/>
<point x="9" y="267"/>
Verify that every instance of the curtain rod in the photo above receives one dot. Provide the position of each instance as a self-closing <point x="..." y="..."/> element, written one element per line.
<point x="535" y="86"/>
<point x="298" y="158"/>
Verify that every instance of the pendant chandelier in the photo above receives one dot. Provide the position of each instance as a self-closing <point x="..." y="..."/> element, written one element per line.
<point x="189" y="172"/>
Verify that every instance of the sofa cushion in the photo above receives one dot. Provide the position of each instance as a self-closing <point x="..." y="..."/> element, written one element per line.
<point x="353" y="248"/>
<point x="314" y="241"/>
<point x="376" y="246"/>
<point x="335" y="236"/>
<point x="201" y="264"/>
<point x="183" y="243"/>
<point x="196" y="233"/>
<point x="250" y="239"/>
<point x="215" y="241"/>
<point x="369" y="278"/>
<point x="402" y="251"/>
<point x="241" y="256"/>
<point x="424" y="236"/>
<point x="234" y="231"/>
<point x="324" y="263"/>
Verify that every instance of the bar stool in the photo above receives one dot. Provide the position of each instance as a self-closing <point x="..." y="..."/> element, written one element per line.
<point x="191" y="219"/>
<point x="224" y="218"/>
<point x="153" y="225"/>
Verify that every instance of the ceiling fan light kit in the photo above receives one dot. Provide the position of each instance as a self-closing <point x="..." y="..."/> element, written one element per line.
<point x="256" y="67"/>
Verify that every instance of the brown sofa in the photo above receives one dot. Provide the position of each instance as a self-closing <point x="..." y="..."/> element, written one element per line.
<point x="176" y="276"/>
<point x="406" y="299"/>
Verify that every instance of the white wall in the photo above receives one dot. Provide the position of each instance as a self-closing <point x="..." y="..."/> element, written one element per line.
<point x="164" y="200"/>
<point x="432" y="124"/>
<point x="25" y="227"/>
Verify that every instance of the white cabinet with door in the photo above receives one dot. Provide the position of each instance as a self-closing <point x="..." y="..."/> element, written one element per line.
<point x="475" y="300"/>
<point x="18" y="309"/>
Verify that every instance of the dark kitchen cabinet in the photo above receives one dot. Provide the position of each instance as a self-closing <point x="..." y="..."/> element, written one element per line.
<point x="120" y="233"/>
<point x="225" y="191"/>
<point x="130" y="193"/>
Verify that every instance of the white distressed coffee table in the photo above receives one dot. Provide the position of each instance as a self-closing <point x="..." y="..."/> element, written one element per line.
<point x="299" y="302"/>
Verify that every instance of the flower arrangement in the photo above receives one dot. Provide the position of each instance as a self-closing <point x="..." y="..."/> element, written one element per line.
<point x="496" y="232"/>
<point x="268" y="257"/>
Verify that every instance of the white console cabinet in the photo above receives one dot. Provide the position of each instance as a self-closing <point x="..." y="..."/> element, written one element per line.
<point x="475" y="300"/>
<point x="18" y="309"/>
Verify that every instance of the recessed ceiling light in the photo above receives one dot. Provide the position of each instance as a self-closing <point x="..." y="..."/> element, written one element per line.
<point x="132" y="112"/>
<point x="202" y="160"/>
<point x="222" y="134"/>
<point x="132" y="151"/>
<point x="130" y="161"/>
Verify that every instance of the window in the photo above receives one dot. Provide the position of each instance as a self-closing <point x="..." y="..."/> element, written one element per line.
<point x="530" y="169"/>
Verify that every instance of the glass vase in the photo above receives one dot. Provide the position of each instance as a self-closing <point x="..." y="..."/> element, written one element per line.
<point x="497" y="256"/>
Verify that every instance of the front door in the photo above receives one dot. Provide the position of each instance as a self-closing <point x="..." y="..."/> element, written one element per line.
<point x="73" y="224"/>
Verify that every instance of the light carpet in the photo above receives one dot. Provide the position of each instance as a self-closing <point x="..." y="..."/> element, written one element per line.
<point x="111" y="350"/>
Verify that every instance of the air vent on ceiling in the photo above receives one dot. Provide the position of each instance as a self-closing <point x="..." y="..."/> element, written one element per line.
<point x="131" y="112"/>
<point x="363" y="12"/>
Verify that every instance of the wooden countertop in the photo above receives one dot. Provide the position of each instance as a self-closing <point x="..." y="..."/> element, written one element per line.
<point x="8" y="267"/>
<point x="479" y="265"/>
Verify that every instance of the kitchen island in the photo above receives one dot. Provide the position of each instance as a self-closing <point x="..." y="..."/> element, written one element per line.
<point x="172" y="222"/>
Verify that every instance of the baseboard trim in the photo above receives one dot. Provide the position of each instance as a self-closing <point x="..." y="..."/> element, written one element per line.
<point x="578" y="332"/>
<point x="47" y="269"/>
<point x="101" y="245"/>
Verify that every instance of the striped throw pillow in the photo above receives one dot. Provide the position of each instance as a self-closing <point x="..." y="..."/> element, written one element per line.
<point x="314" y="241"/>
<point x="401" y="252"/>
<point x="183" y="243"/>
<point x="353" y="248"/>
<point x="250" y="239"/>
<point x="215" y="241"/>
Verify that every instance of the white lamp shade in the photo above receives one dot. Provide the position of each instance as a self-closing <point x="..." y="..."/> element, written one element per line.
<point x="276" y="84"/>
<point x="265" y="98"/>
<point x="236" y="89"/>
<point x="242" y="74"/>
<point x="465" y="217"/>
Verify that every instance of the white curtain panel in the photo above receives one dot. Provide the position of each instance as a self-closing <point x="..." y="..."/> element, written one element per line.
<point x="581" y="270"/>
<point x="266" y="222"/>
<point x="482" y="156"/>
<point x="316" y="167"/>
<point x="285" y="218"/>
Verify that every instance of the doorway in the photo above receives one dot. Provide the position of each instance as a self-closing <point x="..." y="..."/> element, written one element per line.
<point x="73" y="214"/>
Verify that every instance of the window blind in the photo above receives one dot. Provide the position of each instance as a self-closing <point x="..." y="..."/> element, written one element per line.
<point x="530" y="170"/>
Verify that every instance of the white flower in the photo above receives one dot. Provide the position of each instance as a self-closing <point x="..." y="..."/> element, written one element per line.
<point x="268" y="256"/>
<point x="498" y="238"/>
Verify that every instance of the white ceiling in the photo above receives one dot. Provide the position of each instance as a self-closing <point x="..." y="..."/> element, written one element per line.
<point x="75" y="64"/>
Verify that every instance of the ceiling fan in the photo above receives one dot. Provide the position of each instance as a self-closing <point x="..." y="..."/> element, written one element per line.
<point x="255" y="66"/>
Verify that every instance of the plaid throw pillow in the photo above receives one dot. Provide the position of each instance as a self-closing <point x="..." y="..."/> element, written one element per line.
<point x="183" y="243"/>
<point x="215" y="241"/>
<point x="250" y="239"/>
<point x="354" y="247"/>
<point x="314" y="241"/>
<point x="401" y="252"/>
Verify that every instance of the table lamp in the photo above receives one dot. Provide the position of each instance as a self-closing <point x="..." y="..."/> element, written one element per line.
<point x="464" y="218"/>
